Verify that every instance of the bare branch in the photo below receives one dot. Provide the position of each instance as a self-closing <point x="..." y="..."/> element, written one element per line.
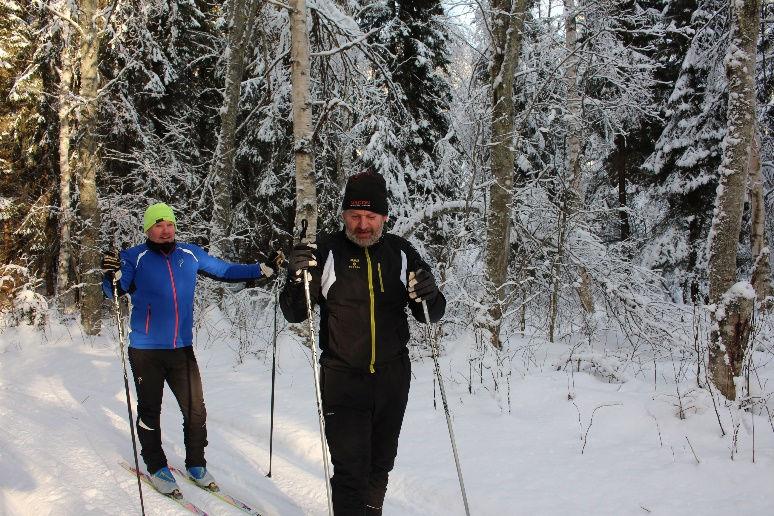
<point x="346" y="46"/>
<point x="62" y="16"/>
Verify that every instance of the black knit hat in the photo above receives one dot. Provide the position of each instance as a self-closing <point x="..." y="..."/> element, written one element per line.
<point x="366" y="191"/>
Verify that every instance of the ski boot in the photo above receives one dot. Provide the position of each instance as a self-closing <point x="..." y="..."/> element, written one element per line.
<point x="165" y="483"/>
<point x="202" y="478"/>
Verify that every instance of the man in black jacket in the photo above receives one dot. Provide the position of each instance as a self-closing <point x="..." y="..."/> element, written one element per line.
<point x="362" y="279"/>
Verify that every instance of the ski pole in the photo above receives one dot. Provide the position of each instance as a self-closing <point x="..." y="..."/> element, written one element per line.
<point x="273" y="376"/>
<point x="434" y="348"/>
<point x="278" y="259"/>
<point x="316" y="367"/>
<point x="120" y="326"/>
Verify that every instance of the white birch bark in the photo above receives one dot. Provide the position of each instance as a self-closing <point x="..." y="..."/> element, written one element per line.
<point x="573" y="140"/>
<point x="573" y="196"/>
<point x="306" y="192"/>
<point x="574" y="144"/>
<point x="507" y="25"/>
<point x="731" y="318"/>
<point x="88" y="165"/>
<point x="65" y="296"/>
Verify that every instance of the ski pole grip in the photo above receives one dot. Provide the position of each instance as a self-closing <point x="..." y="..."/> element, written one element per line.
<point x="302" y="232"/>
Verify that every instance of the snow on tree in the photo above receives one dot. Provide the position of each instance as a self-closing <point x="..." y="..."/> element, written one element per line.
<point x="28" y="188"/>
<point x="241" y="18"/>
<point x="507" y="32"/>
<point x="687" y="155"/>
<point x="733" y="300"/>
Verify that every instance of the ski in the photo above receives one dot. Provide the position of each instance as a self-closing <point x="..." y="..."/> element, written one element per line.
<point x="242" y="506"/>
<point x="181" y="500"/>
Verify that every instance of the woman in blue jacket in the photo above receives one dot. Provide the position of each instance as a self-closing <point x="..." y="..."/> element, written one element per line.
<point x="160" y="278"/>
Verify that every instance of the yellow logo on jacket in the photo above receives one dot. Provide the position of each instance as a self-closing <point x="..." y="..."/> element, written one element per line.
<point x="354" y="263"/>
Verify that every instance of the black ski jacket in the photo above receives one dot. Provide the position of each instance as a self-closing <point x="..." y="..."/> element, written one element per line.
<point x="362" y="294"/>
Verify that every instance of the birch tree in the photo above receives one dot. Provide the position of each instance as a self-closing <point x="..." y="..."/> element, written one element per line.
<point x="507" y="27"/>
<point x="732" y="300"/>
<point x="88" y="165"/>
<point x="573" y="191"/>
<point x="306" y="192"/>
<point x="65" y="295"/>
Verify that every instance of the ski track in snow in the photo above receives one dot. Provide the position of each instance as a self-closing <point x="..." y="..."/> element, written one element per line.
<point x="64" y="427"/>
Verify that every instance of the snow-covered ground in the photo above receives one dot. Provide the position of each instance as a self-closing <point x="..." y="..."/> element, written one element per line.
<point x="570" y="444"/>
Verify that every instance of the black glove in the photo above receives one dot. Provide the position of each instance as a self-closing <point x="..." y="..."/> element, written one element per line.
<point x="422" y="287"/>
<point x="301" y="258"/>
<point x="111" y="266"/>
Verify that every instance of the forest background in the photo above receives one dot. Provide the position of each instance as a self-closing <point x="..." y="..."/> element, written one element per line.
<point x="569" y="168"/>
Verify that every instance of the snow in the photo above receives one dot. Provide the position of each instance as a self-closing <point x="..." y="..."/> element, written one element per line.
<point x="737" y="292"/>
<point x="566" y="442"/>
<point x="741" y="289"/>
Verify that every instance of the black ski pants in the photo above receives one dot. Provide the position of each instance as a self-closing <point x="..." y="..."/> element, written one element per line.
<point x="363" y="415"/>
<point x="178" y="367"/>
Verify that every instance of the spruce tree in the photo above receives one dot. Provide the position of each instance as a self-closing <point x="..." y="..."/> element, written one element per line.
<point x="402" y="142"/>
<point x="159" y="119"/>
<point x="687" y="153"/>
<point x="632" y="149"/>
<point x="29" y="43"/>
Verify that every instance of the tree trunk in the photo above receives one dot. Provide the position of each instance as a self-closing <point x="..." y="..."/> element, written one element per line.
<point x="507" y="25"/>
<point x="88" y="159"/>
<point x="728" y="338"/>
<point x="553" y="307"/>
<point x="64" y="294"/>
<point x="694" y="237"/>
<point x="572" y="119"/>
<point x="222" y="172"/>
<point x="760" y="250"/>
<point x="619" y="164"/>
<point x="573" y="195"/>
<point x="574" y="129"/>
<point x="306" y="191"/>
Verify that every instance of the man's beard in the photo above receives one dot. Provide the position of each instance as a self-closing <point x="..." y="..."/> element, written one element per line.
<point x="364" y="242"/>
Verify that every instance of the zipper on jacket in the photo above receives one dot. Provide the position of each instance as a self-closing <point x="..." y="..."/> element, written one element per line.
<point x="147" y="320"/>
<point x="174" y="298"/>
<point x="379" y="270"/>
<point x="373" y="316"/>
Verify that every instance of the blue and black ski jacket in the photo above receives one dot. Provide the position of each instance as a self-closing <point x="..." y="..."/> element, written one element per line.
<point x="161" y="287"/>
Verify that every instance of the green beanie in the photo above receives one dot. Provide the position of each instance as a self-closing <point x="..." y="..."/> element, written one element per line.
<point x="156" y="213"/>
